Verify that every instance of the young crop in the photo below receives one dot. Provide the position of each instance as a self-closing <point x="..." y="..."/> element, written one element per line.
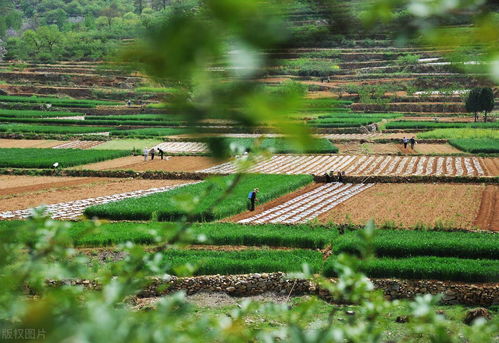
<point x="58" y="102"/>
<point x="438" y="268"/>
<point x="151" y="132"/>
<point x="62" y="129"/>
<point x="169" y="205"/>
<point x="437" y="125"/>
<point x="476" y="145"/>
<point x="460" y="133"/>
<point x="45" y="158"/>
<point x="4" y="113"/>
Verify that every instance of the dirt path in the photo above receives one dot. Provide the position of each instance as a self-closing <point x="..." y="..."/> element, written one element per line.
<point x="488" y="215"/>
<point x="170" y="163"/>
<point x="29" y="143"/>
<point x="411" y="205"/>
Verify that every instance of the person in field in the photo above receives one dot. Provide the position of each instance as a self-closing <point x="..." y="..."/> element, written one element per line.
<point x="161" y="153"/>
<point x="405" y="141"/>
<point x="152" y="154"/>
<point x="412" y="141"/>
<point x="252" y="199"/>
<point x="129" y="103"/>
<point x="145" y="152"/>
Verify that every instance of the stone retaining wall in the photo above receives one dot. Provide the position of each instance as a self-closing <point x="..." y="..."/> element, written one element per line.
<point x="483" y="294"/>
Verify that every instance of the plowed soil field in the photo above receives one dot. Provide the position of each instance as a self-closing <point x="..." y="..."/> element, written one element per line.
<point x="412" y="205"/>
<point x="29" y="143"/>
<point x="21" y="192"/>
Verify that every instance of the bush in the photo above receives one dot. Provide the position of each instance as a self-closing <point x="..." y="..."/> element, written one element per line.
<point x="168" y="206"/>
<point x="45" y="158"/>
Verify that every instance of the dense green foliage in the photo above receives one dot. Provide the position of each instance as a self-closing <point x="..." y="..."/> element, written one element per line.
<point x="438" y="268"/>
<point x="477" y="145"/>
<point x="57" y="102"/>
<point x="350" y="119"/>
<point x="14" y="128"/>
<point x="208" y="199"/>
<point x="45" y="158"/>
<point x="460" y="133"/>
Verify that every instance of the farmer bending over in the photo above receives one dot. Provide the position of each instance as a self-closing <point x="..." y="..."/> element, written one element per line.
<point x="252" y="199"/>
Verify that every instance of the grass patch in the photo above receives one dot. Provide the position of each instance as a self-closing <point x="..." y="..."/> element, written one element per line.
<point x="45" y="158"/>
<point x="175" y="204"/>
<point x="476" y="145"/>
<point x="17" y="128"/>
<point x="439" y="268"/>
<point x="460" y="133"/>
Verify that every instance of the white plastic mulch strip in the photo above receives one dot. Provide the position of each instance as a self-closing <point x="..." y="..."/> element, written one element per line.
<point x="180" y="147"/>
<point x="362" y="165"/>
<point x="74" y="209"/>
<point x="309" y="205"/>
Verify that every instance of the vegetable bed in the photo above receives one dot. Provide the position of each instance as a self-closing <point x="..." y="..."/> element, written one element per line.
<point x="45" y="158"/>
<point x="172" y="205"/>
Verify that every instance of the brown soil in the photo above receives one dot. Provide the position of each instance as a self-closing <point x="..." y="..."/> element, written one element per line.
<point x="10" y="184"/>
<point x="411" y="205"/>
<point x="174" y="164"/>
<point x="268" y="205"/>
<point x="435" y="149"/>
<point x="354" y="147"/>
<point x="54" y="192"/>
<point x="491" y="166"/>
<point x="29" y="143"/>
<point x="488" y="215"/>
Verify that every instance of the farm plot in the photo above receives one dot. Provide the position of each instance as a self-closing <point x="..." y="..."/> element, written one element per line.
<point x="309" y="205"/>
<point x="74" y="209"/>
<point x="29" y="143"/>
<point x="182" y="147"/>
<point x="77" y="145"/>
<point x="411" y="206"/>
<point x="363" y="165"/>
<point x="137" y="163"/>
<point x="351" y="136"/>
<point x="21" y="192"/>
<point x="45" y="158"/>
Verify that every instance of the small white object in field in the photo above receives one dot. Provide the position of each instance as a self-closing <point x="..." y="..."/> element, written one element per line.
<point x="55" y="165"/>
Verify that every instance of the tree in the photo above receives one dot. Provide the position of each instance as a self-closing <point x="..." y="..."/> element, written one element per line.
<point x="486" y="101"/>
<point x="111" y="12"/>
<point x="472" y="103"/>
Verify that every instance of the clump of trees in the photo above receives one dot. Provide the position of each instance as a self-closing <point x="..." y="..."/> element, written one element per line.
<point x="480" y="100"/>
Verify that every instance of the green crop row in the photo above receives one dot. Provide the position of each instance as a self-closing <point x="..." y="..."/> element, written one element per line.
<point x="149" y="132"/>
<point x="16" y="128"/>
<point x="245" y="261"/>
<point x="45" y="158"/>
<point x="34" y="114"/>
<point x="140" y="117"/>
<point x="440" y="268"/>
<point x="477" y="145"/>
<point x="460" y="133"/>
<point x="281" y="145"/>
<point x="172" y="205"/>
<point x="438" y="125"/>
<point x="62" y="102"/>
<point x="91" y="122"/>
<point x="387" y="243"/>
